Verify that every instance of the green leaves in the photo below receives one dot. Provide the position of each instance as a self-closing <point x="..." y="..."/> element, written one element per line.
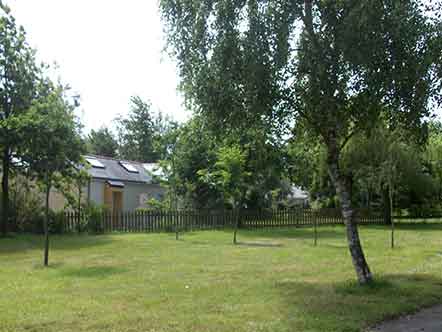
<point x="51" y="135"/>
<point x="102" y="142"/>
<point x="142" y="135"/>
<point x="229" y="174"/>
<point x="231" y="56"/>
<point x="18" y="78"/>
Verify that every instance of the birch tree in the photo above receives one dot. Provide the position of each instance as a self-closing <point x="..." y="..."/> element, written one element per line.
<point x="332" y="66"/>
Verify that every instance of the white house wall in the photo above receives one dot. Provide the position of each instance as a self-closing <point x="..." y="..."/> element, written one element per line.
<point x="97" y="192"/>
<point x="135" y="195"/>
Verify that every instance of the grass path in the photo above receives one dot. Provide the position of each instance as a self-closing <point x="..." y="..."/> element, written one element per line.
<point x="273" y="281"/>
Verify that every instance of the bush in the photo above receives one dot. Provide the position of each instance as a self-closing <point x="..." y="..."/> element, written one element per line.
<point x="32" y="223"/>
<point x="56" y="222"/>
<point x="424" y="211"/>
<point x="35" y="223"/>
<point x="26" y="208"/>
<point x="157" y="205"/>
<point x="94" y="216"/>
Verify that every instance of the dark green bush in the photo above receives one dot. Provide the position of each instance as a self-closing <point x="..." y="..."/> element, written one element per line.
<point x="94" y="216"/>
<point x="35" y="223"/>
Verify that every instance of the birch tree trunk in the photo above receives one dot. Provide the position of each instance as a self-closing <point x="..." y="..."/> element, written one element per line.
<point x="344" y="193"/>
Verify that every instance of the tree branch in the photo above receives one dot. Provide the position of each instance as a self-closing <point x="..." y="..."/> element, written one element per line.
<point x="308" y="22"/>
<point x="346" y="139"/>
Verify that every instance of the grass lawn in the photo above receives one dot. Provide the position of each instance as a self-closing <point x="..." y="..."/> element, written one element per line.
<point x="275" y="280"/>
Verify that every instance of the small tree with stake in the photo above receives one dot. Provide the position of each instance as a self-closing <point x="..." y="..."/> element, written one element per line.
<point x="230" y="175"/>
<point x="72" y="188"/>
<point x="54" y="146"/>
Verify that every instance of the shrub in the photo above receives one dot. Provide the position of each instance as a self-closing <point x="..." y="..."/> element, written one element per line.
<point x="32" y="223"/>
<point x="94" y="216"/>
<point x="157" y="205"/>
<point x="35" y="223"/>
<point x="56" y="222"/>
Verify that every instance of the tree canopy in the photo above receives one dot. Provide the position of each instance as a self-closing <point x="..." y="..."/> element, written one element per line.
<point x="102" y="142"/>
<point x="53" y="145"/>
<point x="335" y="67"/>
<point x="18" y="82"/>
<point x="142" y="132"/>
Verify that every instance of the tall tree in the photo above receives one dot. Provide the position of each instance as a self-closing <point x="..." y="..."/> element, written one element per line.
<point x="102" y="142"/>
<point x="433" y="154"/>
<point x="333" y="66"/>
<point x="194" y="149"/>
<point x="136" y="132"/>
<point x="53" y="146"/>
<point x="18" y="74"/>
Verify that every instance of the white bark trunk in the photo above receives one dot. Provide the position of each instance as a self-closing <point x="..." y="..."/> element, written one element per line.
<point x="344" y="193"/>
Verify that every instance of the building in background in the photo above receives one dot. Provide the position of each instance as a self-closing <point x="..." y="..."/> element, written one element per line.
<point x="119" y="185"/>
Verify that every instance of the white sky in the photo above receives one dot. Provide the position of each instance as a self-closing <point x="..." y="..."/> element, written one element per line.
<point x="107" y="51"/>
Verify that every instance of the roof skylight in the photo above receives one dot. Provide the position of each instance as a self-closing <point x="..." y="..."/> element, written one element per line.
<point x="128" y="167"/>
<point x="95" y="163"/>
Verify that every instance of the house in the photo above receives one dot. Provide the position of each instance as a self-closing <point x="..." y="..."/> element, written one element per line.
<point x="120" y="185"/>
<point x="297" y="197"/>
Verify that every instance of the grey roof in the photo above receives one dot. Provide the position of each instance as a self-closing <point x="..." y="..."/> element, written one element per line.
<point x="114" y="171"/>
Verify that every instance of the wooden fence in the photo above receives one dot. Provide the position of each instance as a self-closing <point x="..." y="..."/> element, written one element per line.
<point x="171" y="221"/>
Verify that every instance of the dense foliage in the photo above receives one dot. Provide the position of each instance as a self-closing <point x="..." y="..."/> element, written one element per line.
<point x="40" y="137"/>
<point x="333" y="67"/>
<point x="102" y="142"/>
<point x="18" y="81"/>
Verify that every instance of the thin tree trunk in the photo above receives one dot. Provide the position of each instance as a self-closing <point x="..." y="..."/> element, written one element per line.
<point x="440" y="188"/>
<point x="390" y="205"/>
<point x="237" y="221"/>
<point x="344" y="193"/>
<point x="315" y="225"/>
<point x="386" y="204"/>
<point x="46" y="224"/>
<point x="5" y="191"/>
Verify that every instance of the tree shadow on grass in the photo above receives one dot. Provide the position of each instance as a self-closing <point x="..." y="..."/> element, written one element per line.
<point x="302" y="233"/>
<point x="51" y="266"/>
<point x="98" y="272"/>
<point x="23" y="243"/>
<point x="348" y="307"/>
<point x="414" y="226"/>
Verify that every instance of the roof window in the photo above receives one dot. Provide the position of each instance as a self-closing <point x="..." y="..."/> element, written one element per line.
<point x="128" y="167"/>
<point x="95" y="163"/>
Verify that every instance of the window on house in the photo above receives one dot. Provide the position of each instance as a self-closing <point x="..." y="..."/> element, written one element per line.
<point x="95" y="163"/>
<point x="128" y="167"/>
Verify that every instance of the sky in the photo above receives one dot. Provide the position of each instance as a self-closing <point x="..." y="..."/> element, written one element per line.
<point x="107" y="51"/>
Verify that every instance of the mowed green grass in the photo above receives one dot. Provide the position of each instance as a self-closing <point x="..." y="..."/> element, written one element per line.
<point x="275" y="280"/>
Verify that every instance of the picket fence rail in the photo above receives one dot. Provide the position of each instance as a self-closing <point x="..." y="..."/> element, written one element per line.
<point x="188" y="220"/>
